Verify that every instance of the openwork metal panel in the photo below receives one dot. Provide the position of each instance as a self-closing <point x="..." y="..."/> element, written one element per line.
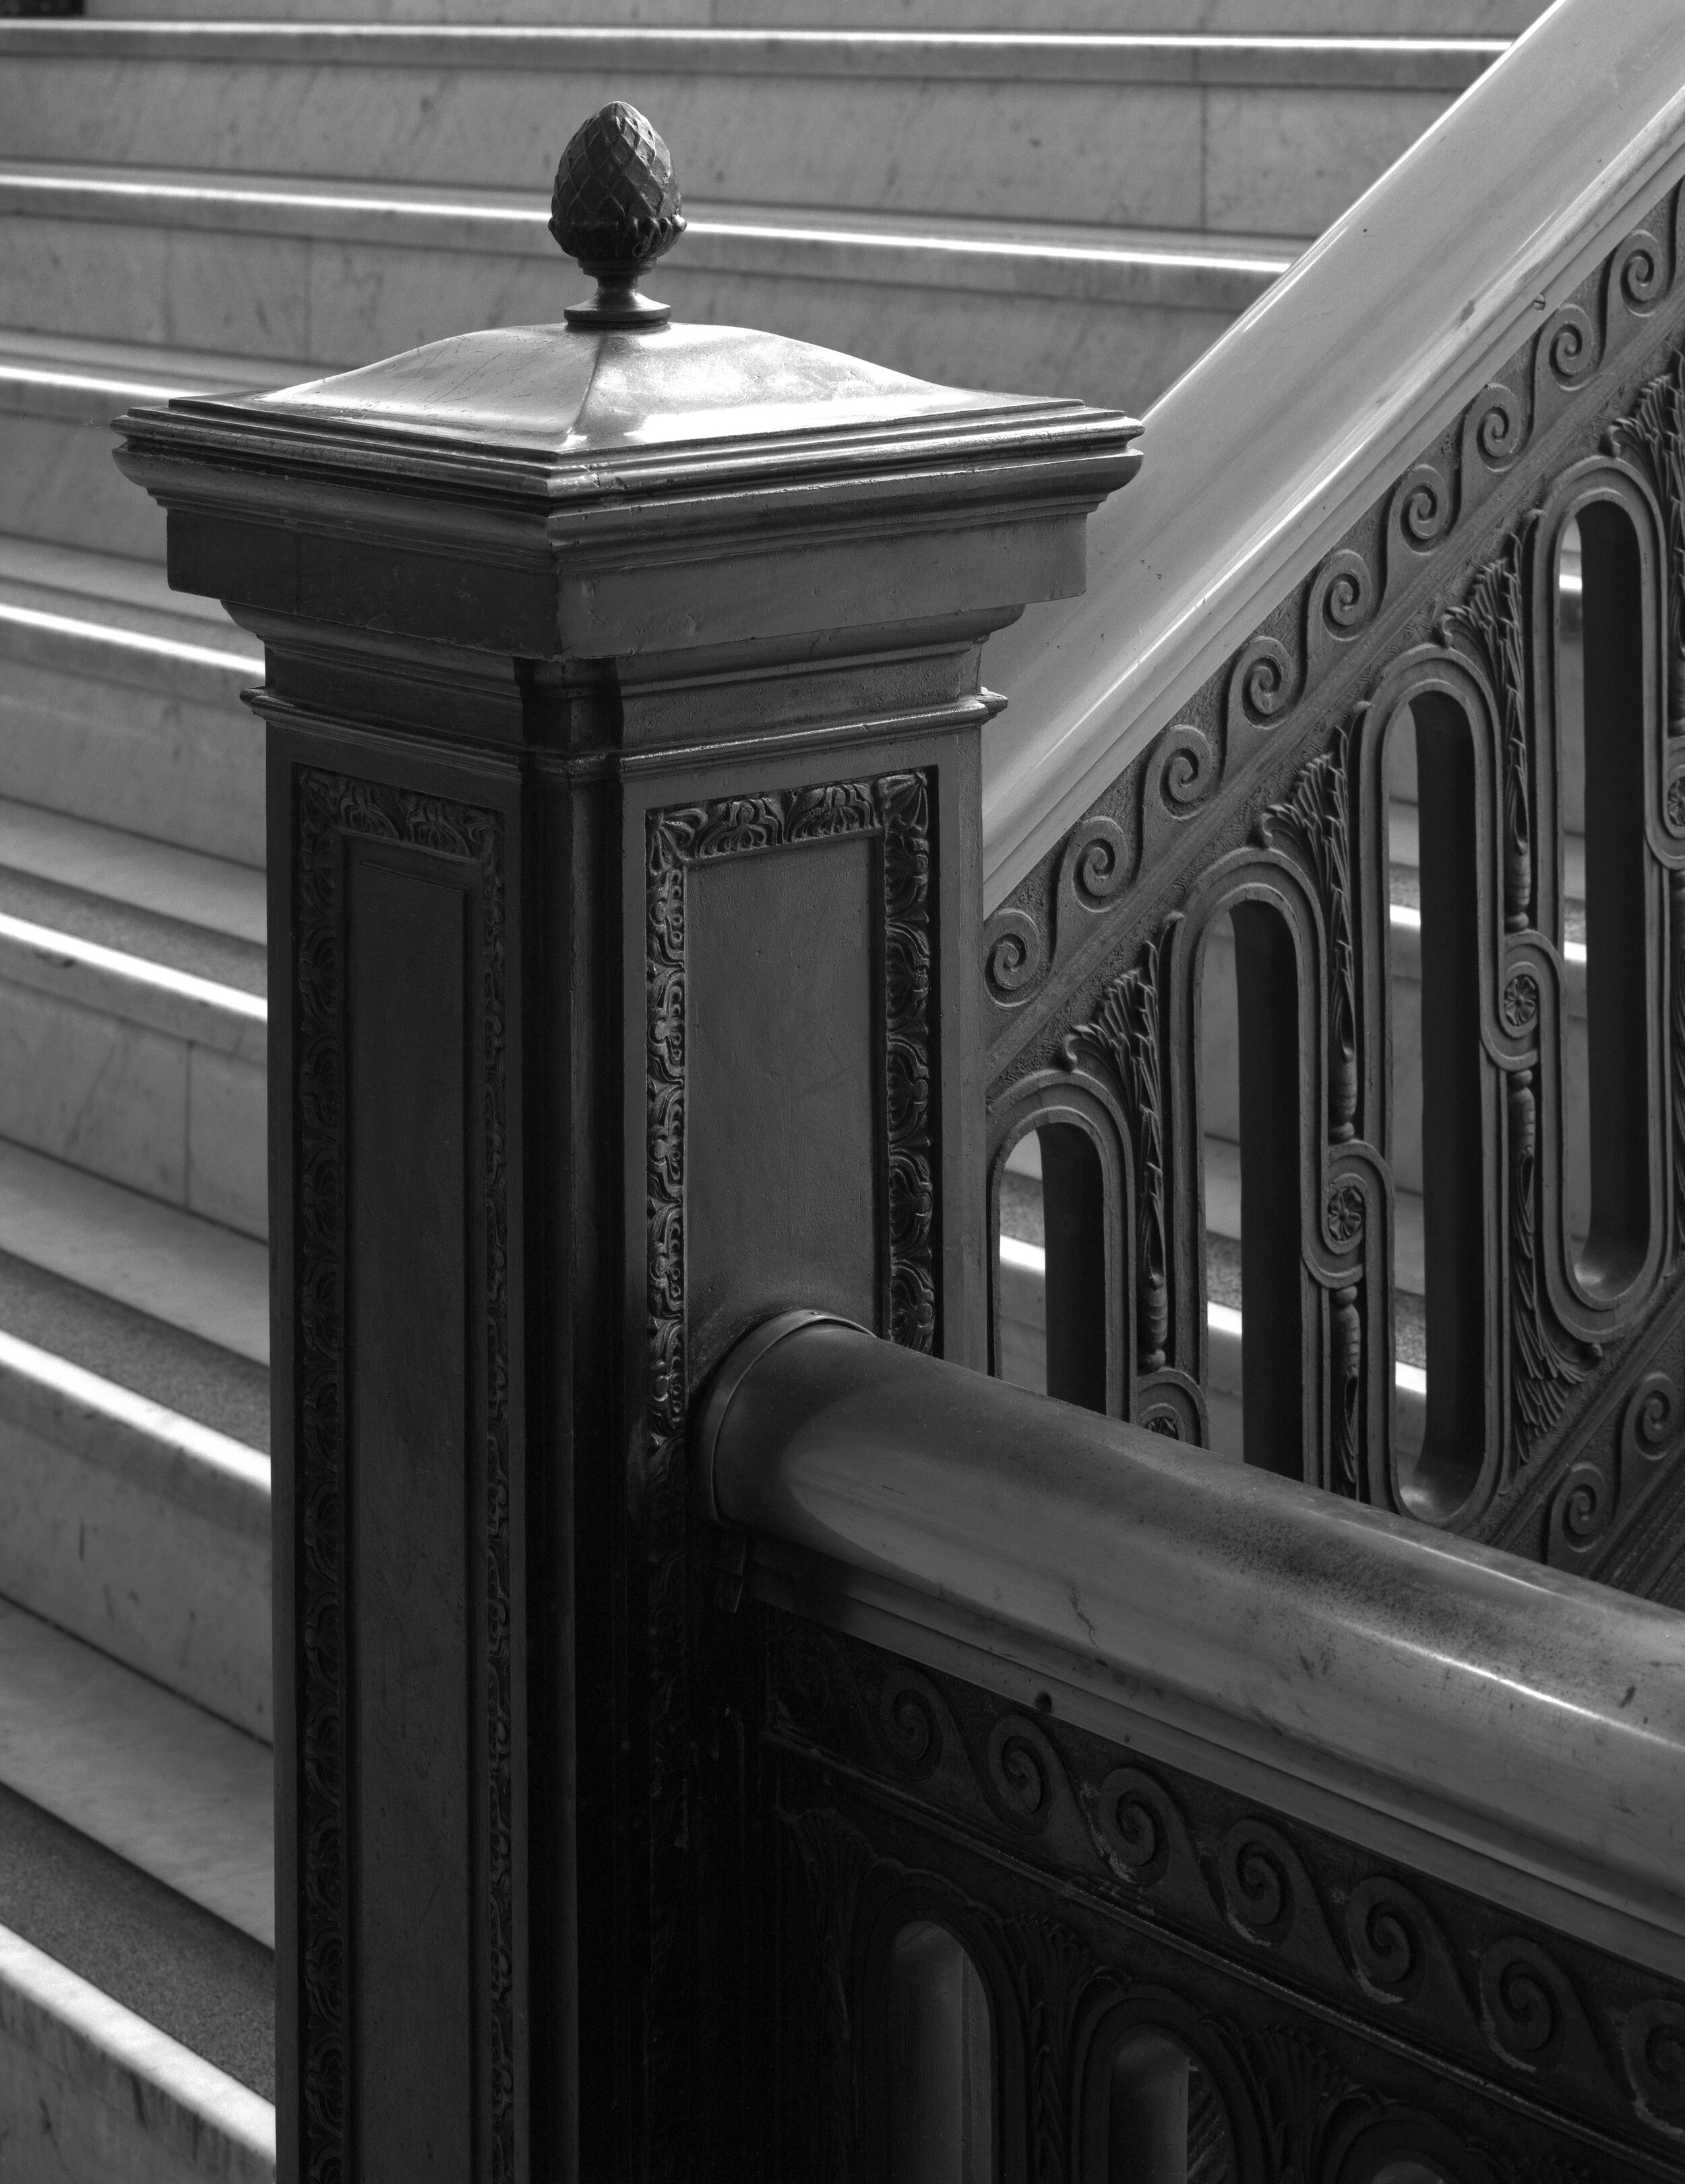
<point x="1424" y="841"/>
<point x="1178" y="1982"/>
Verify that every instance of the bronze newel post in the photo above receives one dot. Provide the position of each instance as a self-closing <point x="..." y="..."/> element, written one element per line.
<point x="623" y="690"/>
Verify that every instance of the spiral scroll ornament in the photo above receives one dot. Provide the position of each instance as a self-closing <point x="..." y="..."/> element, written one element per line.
<point x="1383" y="1924"/>
<point x="1639" y="272"/>
<point x="1653" y="2048"/>
<point x="1580" y="1511"/>
<point x="1015" y="955"/>
<point x="1497" y="426"/>
<point x="1265" y="685"/>
<point x="1181" y="772"/>
<point x="910" y="1719"/>
<point x="1258" y="1887"/>
<point x="1097" y="863"/>
<point x="1569" y="347"/>
<point x="1424" y="508"/>
<point x="1020" y="1773"/>
<point x="1134" y="1826"/>
<point x="1527" y="2008"/>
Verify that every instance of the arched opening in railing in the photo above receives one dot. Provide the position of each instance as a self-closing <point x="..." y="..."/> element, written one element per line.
<point x="937" y="2102"/>
<point x="1059" y="1206"/>
<point x="1601" y="633"/>
<point x="1149" y="2112"/>
<point x="1252" y="1071"/>
<point x="1437" y="1103"/>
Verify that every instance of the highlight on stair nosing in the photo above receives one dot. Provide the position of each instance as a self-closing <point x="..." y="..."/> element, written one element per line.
<point x="208" y="2120"/>
<point x="118" y="638"/>
<point x="840" y="243"/>
<point x="1195" y="60"/>
<point x="162" y="1449"/>
<point x="70" y="951"/>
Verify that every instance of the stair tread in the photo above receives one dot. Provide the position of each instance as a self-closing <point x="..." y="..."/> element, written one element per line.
<point x="199" y="914"/>
<point x="177" y="1966"/>
<point x="205" y="1280"/>
<point x="197" y="1379"/>
<point x="154" y="1779"/>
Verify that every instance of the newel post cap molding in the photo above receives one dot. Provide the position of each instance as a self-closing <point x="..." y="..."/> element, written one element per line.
<point x="615" y="484"/>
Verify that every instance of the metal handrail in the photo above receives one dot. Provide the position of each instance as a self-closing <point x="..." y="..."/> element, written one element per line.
<point x="1517" y="1730"/>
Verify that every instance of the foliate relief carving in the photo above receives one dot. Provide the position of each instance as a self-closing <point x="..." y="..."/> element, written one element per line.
<point x="1653" y="439"/>
<point x="1124" y="1029"/>
<point x="1315" y="823"/>
<point x="1490" y="624"/>
<point x="1303" y="2100"/>
<point x="1345" y="1392"/>
<point x="1520" y="1004"/>
<point x="1345" y="1216"/>
<point x="1542" y="1375"/>
<point x="332" y="809"/>
<point x="1050" y="1967"/>
<point x="895" y="807"/>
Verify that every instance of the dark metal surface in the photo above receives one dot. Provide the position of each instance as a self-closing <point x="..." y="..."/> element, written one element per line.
<point x="1555" y="1416"/>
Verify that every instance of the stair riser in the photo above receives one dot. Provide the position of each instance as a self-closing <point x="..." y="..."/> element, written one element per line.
<point x="134" y="755"/>
<point x="1230" y="159"/>
<point x="169" y="1116"/>
<point x="90" y="2093"/>
<point x="58" y="483"/>
<point x="1068" y="330"/>
<point x="162" y="1587"/>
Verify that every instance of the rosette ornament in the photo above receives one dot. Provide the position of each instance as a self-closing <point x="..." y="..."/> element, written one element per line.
<point x="616" y="209"/>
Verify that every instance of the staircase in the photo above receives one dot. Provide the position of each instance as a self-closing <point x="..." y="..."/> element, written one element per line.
<point x="957" y="189"/>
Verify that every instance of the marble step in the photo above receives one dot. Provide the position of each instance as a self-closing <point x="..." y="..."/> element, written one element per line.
<point x="190" y="1975"/>
<point x="119" y="705"/>
<point x="160" y="1783"/>
<point x="133" y="1047"/>
<point x="137" y="1529"/>
<point x="1260" y="136"/>
<point x="92" y="2090"/>
<point x="1251" y="18"/>
<point x="59" y="484"/>
<point x="134" y="1480"/>
<point x="321" y="272"/>
<point x="207" y="1282"/>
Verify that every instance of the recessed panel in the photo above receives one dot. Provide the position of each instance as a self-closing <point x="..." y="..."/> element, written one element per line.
<point x="785" y="1086"/>
<point x="406" y="1527"/>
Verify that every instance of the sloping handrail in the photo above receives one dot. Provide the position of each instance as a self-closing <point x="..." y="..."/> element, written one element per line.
<point x="1519" y="1731"/>
<point x="1260" y="459"/>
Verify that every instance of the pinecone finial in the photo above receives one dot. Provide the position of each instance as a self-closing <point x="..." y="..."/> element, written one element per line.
<point x="616" y="209"/>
